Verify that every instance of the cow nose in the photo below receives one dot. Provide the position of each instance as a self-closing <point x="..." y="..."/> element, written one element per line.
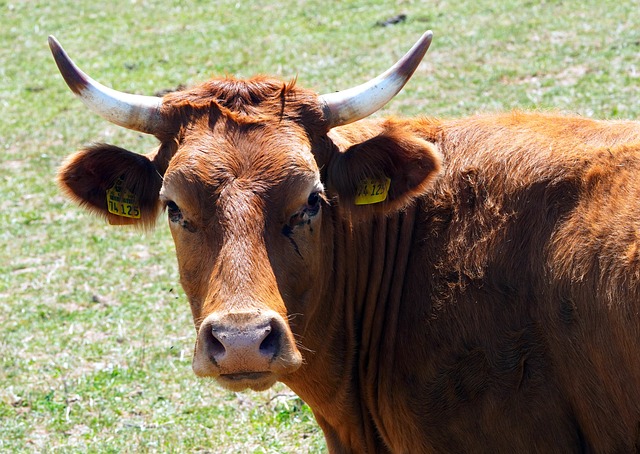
<point x="239" y="343"/>
<point x="259" y="340"/>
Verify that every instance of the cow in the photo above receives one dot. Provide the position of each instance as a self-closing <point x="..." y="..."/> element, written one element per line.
<point x="425" y="285"/>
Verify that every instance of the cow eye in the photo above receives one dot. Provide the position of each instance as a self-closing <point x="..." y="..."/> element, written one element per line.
<point x="313" y="203"/>
<point x="175" y="215"/>
<point x="304" y="216"/>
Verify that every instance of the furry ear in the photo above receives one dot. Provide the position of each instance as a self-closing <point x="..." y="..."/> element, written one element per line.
<point x="384" y="173"/>
<point x="115" y="183"/>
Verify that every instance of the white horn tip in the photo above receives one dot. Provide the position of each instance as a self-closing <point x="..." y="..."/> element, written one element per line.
<point x="358" y="102"/>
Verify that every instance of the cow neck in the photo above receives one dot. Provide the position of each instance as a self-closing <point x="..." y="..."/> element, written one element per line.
<point x="356" y="330"/>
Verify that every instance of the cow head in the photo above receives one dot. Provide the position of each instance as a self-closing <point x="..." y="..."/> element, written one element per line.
<point x="251" y="175"/>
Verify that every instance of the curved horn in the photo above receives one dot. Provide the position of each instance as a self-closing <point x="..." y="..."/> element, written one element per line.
<point x="356" y="103"/>
<point x="140" y="113"/>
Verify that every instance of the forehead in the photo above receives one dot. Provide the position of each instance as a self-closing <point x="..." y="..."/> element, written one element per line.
<point x="258" y="156"/>
<point x="243" y="149"/>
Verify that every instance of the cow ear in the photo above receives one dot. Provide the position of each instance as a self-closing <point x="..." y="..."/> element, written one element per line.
<point x="117" y="184"/>
<point x="384" y="173"/>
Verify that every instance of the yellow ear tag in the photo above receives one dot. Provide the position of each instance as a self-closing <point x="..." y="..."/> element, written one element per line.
<point x="372" y="191"/>
<point x="122" y="203"/>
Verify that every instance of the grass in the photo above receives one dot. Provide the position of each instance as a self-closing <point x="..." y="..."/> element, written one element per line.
<point x="95" y="333"/>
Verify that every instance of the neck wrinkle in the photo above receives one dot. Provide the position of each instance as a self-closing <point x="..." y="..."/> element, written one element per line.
<point x="357" y="326"/>
<point x="379" y="303"/>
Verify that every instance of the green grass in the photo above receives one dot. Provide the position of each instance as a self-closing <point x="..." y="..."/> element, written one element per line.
<point x="95" y="333"/>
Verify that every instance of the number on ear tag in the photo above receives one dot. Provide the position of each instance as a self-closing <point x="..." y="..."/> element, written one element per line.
<point x="372" y="191"/>
<point x="122" y="202"/>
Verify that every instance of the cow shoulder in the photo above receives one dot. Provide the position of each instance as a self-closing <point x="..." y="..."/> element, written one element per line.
<point x="120" y="185"/>
<point x="381" y="166"/>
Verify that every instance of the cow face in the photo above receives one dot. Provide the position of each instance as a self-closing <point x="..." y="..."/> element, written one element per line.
<point x="244" y="204"/>
<point x="252" y="176"/>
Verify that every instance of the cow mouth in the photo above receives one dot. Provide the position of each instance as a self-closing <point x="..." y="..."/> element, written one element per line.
<point x="257" y="381"/>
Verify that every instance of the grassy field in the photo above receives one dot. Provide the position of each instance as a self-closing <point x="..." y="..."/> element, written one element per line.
<point x="95" y="333"/>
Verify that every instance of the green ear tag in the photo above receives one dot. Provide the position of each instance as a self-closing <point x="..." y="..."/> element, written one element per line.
<point x="372" y="191"/>
<point x="122" y="202"/>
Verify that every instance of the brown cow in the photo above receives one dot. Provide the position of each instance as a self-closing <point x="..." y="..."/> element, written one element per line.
<point x="425" y="285"/>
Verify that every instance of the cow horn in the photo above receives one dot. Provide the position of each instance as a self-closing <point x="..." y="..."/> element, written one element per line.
<point x="137" y="112"/>
<point x="356" y="103"/>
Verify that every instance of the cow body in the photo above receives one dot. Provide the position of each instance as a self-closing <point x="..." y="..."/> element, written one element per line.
<point x="489" y="302"/>
<point x="500" y="312"/>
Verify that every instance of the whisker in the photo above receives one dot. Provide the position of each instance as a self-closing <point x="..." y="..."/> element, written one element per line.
<point x="291" y="317"/>
<point x="302" y="347"/>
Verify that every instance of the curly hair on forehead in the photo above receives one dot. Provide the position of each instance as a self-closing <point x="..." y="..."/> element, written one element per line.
<point x="227" y="90"/>
<point x="257" y="100"/>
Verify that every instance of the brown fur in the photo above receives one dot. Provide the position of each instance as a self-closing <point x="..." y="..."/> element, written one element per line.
<point x="489" y="305"/>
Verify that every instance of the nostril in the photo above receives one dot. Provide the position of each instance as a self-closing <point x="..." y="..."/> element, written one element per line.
<point x="214" y="346"/>
<point x="270" y="345"/>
